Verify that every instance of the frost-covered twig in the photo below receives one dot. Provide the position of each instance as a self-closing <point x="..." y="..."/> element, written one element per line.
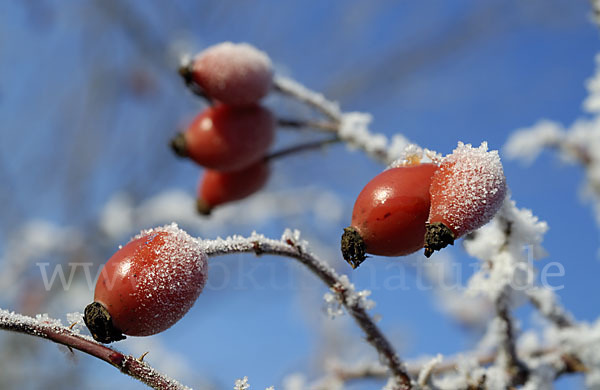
<point x="314" y="99"/>
<point x="517" y="370"/>
<point x="298" y="123"/>
<point x="53" y="330"/>
<point x="351" y="127"/>
<point x="313" y="145"/>
<point x="544" y="301"/>
<point x="561" y="361"/>
<point x="291" y="246"/>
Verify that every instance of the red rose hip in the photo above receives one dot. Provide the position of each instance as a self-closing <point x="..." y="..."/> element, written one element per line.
<point x="217" y="187"/>
<point x="147" y="285"/>
<point x="235" y="74"/>
<point x="227" y="138"/>
<point x="389" y="214"/>
<point x="466" y="192"/>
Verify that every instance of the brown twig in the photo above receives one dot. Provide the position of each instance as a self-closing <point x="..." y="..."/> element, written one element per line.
<point x="127" y="364"/>
<point x="326" y="126"/>
<point x="310" y="98"/>
<point x="289" y="248"/>
<point x="568" y="363"/>
<point x="302" y="147"/>
<point x="555" y="314"/>
<point x="517" y="370"/>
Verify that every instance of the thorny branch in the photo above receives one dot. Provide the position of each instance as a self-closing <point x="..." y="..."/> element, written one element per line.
<point x="344" y="373"/>
<point x="127" y="364"/>
<point x="289" y="248"/>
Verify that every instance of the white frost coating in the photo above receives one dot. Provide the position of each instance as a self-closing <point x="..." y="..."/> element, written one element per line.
<point x="316" y="99"/>
<point x="75" y="321"/>
<point x="333" y="306"/>
<point x="172" y="275"/>
<point x="541" y="376"/>
<point x="592" y="102"/>
<point x="333" y="300"/>
<point x="548" y="305"/>
<point x="294" y="381"/>
<point x="527" y="143"/>
<point x="583" y="341"/>
<point x="354" y="129"/>
<point x="233" y="73"/>
<point x="579" y="143"/>
<point x="468" y="188"/>
<point x="426" y="371"/>
<point x="506" y="258"/>
<point x="241" y="384"/>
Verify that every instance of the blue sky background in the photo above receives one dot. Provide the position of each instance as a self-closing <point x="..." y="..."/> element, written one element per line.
<point x="89" y="98"/>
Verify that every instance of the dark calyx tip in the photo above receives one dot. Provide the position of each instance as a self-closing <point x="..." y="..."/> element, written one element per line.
<point x="437" y="236"/>
<point x="99" y="322"/>
<point x="178" y="145"/>
<point x="185" y="71"/>
<point x="353" y="247"/>
<point x="203" y="207"/>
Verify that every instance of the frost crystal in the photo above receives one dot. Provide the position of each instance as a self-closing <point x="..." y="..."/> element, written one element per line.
<point x="173" y="276"/>
<point x="241" y="384"/>
<point x="527" y="143"/>
<point x="468" y="189"/>
<point x="506" y="247"/>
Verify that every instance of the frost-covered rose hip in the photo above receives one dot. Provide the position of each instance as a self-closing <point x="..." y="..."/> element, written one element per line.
<point x="235" y="74"/>
<point x="466" y="192"/>
<point x="227" y="138"/>
<point x="217" y="187"/>
<point x="147" y="285"/>
<point x="389" y="214"/>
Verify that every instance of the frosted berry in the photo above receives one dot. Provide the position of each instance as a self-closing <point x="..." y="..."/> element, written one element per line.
<point x="235" y="74"/>
<point x="217" y="187"/>
<point x="466" y="192"/>
<point x="147" y="285"/>
<point x="227" y="138"/>
<point x="389" y="214"/>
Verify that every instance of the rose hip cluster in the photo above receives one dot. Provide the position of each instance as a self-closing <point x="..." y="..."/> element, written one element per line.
<point x="425" y="205"/>
<point x="230" y="138"/>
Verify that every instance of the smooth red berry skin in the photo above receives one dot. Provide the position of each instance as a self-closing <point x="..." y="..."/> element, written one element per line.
<point x="391" y="210"/>
<point x="235" y="74"/>
<point x="217" y="187"/>
<point x="151" y="282"/>
<point x="229" y="138"/>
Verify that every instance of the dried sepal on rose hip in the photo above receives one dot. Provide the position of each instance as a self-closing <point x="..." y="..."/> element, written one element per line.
<point x="147" y="285"/>
<point x="235" y="74"/>
<point x="227" y="138"/>
<point x="466" y="192"/>
<point x="389" y="214"/>
<point x="218" y="187"/>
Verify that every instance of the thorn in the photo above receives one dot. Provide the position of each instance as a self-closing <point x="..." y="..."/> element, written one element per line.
<point x="141" y="358"/>
<point x="73" y="325"/>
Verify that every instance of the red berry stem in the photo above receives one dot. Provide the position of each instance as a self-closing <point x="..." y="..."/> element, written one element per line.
<point x="299" y="123"/>
<point x="313" y="145"/>
<point x="127" y="364"/>
<point x="312" y="99"/>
